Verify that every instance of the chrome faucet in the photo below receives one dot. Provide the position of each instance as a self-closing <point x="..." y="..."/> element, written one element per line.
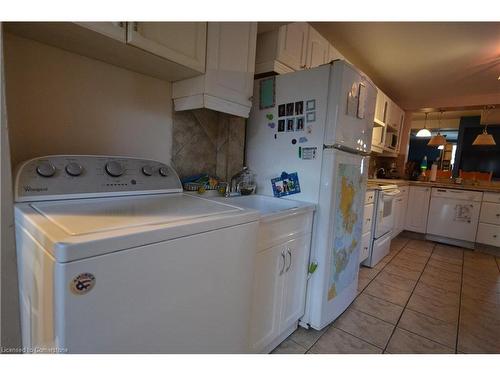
<point x="378" y="170"/>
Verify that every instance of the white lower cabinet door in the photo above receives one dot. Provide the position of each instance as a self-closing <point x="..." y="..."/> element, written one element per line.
<point x="399" y="214"/>
<point x="365" y="246"/>
<point x="417" y="209"/>
<point x="297" y="256"/>
<point x="488" y="234"/>
<point x="267" y="297"/>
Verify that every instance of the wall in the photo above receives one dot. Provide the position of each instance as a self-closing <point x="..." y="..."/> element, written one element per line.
<point x="477" y="158"/>
<point x="206" y="141"/>
<point x="60" y="102"/>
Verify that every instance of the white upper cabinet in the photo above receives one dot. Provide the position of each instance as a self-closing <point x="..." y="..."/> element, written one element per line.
<point x="317" y="49"/>
<point x="292" y="44"/>
<point x="227" y="85"/>
<point x="231" y="60"/>
<point x="115" y="30"/>
<point x="381" y="108"/>
<point x="387" y="126"/>
<point x="393" y="115"/>
<point x="182" y="42"/>
<point x="169" y="51"/>
<point x="283" y="50"/>
<point x="333" y="54"/>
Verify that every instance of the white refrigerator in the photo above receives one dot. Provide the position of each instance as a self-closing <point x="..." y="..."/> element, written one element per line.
<point x="318" y="123"/>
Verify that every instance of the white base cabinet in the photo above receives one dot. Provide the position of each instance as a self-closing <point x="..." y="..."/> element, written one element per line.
<point x="488" y="231"/>
<point x="417" y="209"/>
<point x="400" y="208"/>
<point x="279" y="291"/>
<point x="280" y="282"/>
<point x="227" y="85"/>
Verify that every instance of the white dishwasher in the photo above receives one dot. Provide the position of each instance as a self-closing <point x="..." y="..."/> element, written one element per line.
<point x="454" y="214"/>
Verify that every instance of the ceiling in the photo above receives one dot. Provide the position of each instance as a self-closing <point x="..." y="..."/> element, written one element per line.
<point x="446" y="115"/>
<point x="424" y="64"/>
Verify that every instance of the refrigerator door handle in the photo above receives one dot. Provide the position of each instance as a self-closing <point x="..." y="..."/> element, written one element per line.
<point x="343" y="148"/>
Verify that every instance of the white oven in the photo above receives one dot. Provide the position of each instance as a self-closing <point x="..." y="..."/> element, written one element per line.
<point x="384" y="222"/>
<point x="384" y="219"/>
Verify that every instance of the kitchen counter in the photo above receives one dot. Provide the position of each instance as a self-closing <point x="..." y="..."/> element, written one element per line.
<point x="494" y="188"/>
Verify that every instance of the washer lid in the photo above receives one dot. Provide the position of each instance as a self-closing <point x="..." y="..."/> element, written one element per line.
<point x="83" y="228"/>
<point x="80" y="217"/>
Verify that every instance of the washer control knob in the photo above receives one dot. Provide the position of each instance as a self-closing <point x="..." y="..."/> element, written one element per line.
<point x="46" y="169"/>
<point x="114" y="169"/>
<point x="147" y="170"/>
<point x="163" y="171"/>
<point x="74" y="169"/>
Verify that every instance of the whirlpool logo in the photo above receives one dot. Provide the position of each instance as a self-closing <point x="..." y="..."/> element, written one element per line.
<point x="82" y="283"/>
<point x="28" y="188"/>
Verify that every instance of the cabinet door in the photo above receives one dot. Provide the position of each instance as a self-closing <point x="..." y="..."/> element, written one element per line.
<point x="292" y="45"/>
<point x="399" y="215"/>
<point x="294" y="296"/>
<point x="267" y="297"/>
<point x="231" y="60"/>
<point x="401" y="125"/>
<point x="115" y="30"/>
<point x="333" y="54"/>
<point x="317" y="49"/>
<point x="418" y="209"/>
<point x="181" y="42"/>
<point x="365" y="246"/>
<point x="380" y="107"/>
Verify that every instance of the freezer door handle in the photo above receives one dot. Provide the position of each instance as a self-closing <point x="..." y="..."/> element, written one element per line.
<point x="290" y="256"/>
<point x="284" y="261"/>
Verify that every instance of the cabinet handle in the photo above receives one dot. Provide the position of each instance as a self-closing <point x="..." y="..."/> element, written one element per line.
<point x="494" y="236"/>
<point x="497" y="215"/>
<point x="290" y="255"/>
<point x="284" y="261"/>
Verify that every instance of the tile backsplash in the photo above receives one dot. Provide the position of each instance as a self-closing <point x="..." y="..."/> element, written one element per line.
<point x="206" y="141"/>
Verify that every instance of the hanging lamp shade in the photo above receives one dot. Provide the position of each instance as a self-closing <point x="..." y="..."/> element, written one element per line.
<point x="437" y="140"/>
<point x="424" y="133"/>
<point x="484" y="139"/>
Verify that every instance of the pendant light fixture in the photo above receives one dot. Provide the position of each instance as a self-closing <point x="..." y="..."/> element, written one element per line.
<point x="485" y="139"/>
<point x="424" y="133"/>
<point x="438" y="139"/>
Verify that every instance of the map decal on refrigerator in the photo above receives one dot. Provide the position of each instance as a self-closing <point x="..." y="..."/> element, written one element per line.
<point x="348" y="226"/>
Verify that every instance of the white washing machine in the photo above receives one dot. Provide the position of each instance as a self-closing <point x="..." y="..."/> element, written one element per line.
<point x="114" y="258"/>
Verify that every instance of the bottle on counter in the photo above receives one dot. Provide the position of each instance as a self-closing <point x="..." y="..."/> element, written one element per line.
<point x="423" y="166"/>
<point x="434" y="169"/>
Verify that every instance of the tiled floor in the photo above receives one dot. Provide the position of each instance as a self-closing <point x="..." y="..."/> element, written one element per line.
<point x="421" y="298"/>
